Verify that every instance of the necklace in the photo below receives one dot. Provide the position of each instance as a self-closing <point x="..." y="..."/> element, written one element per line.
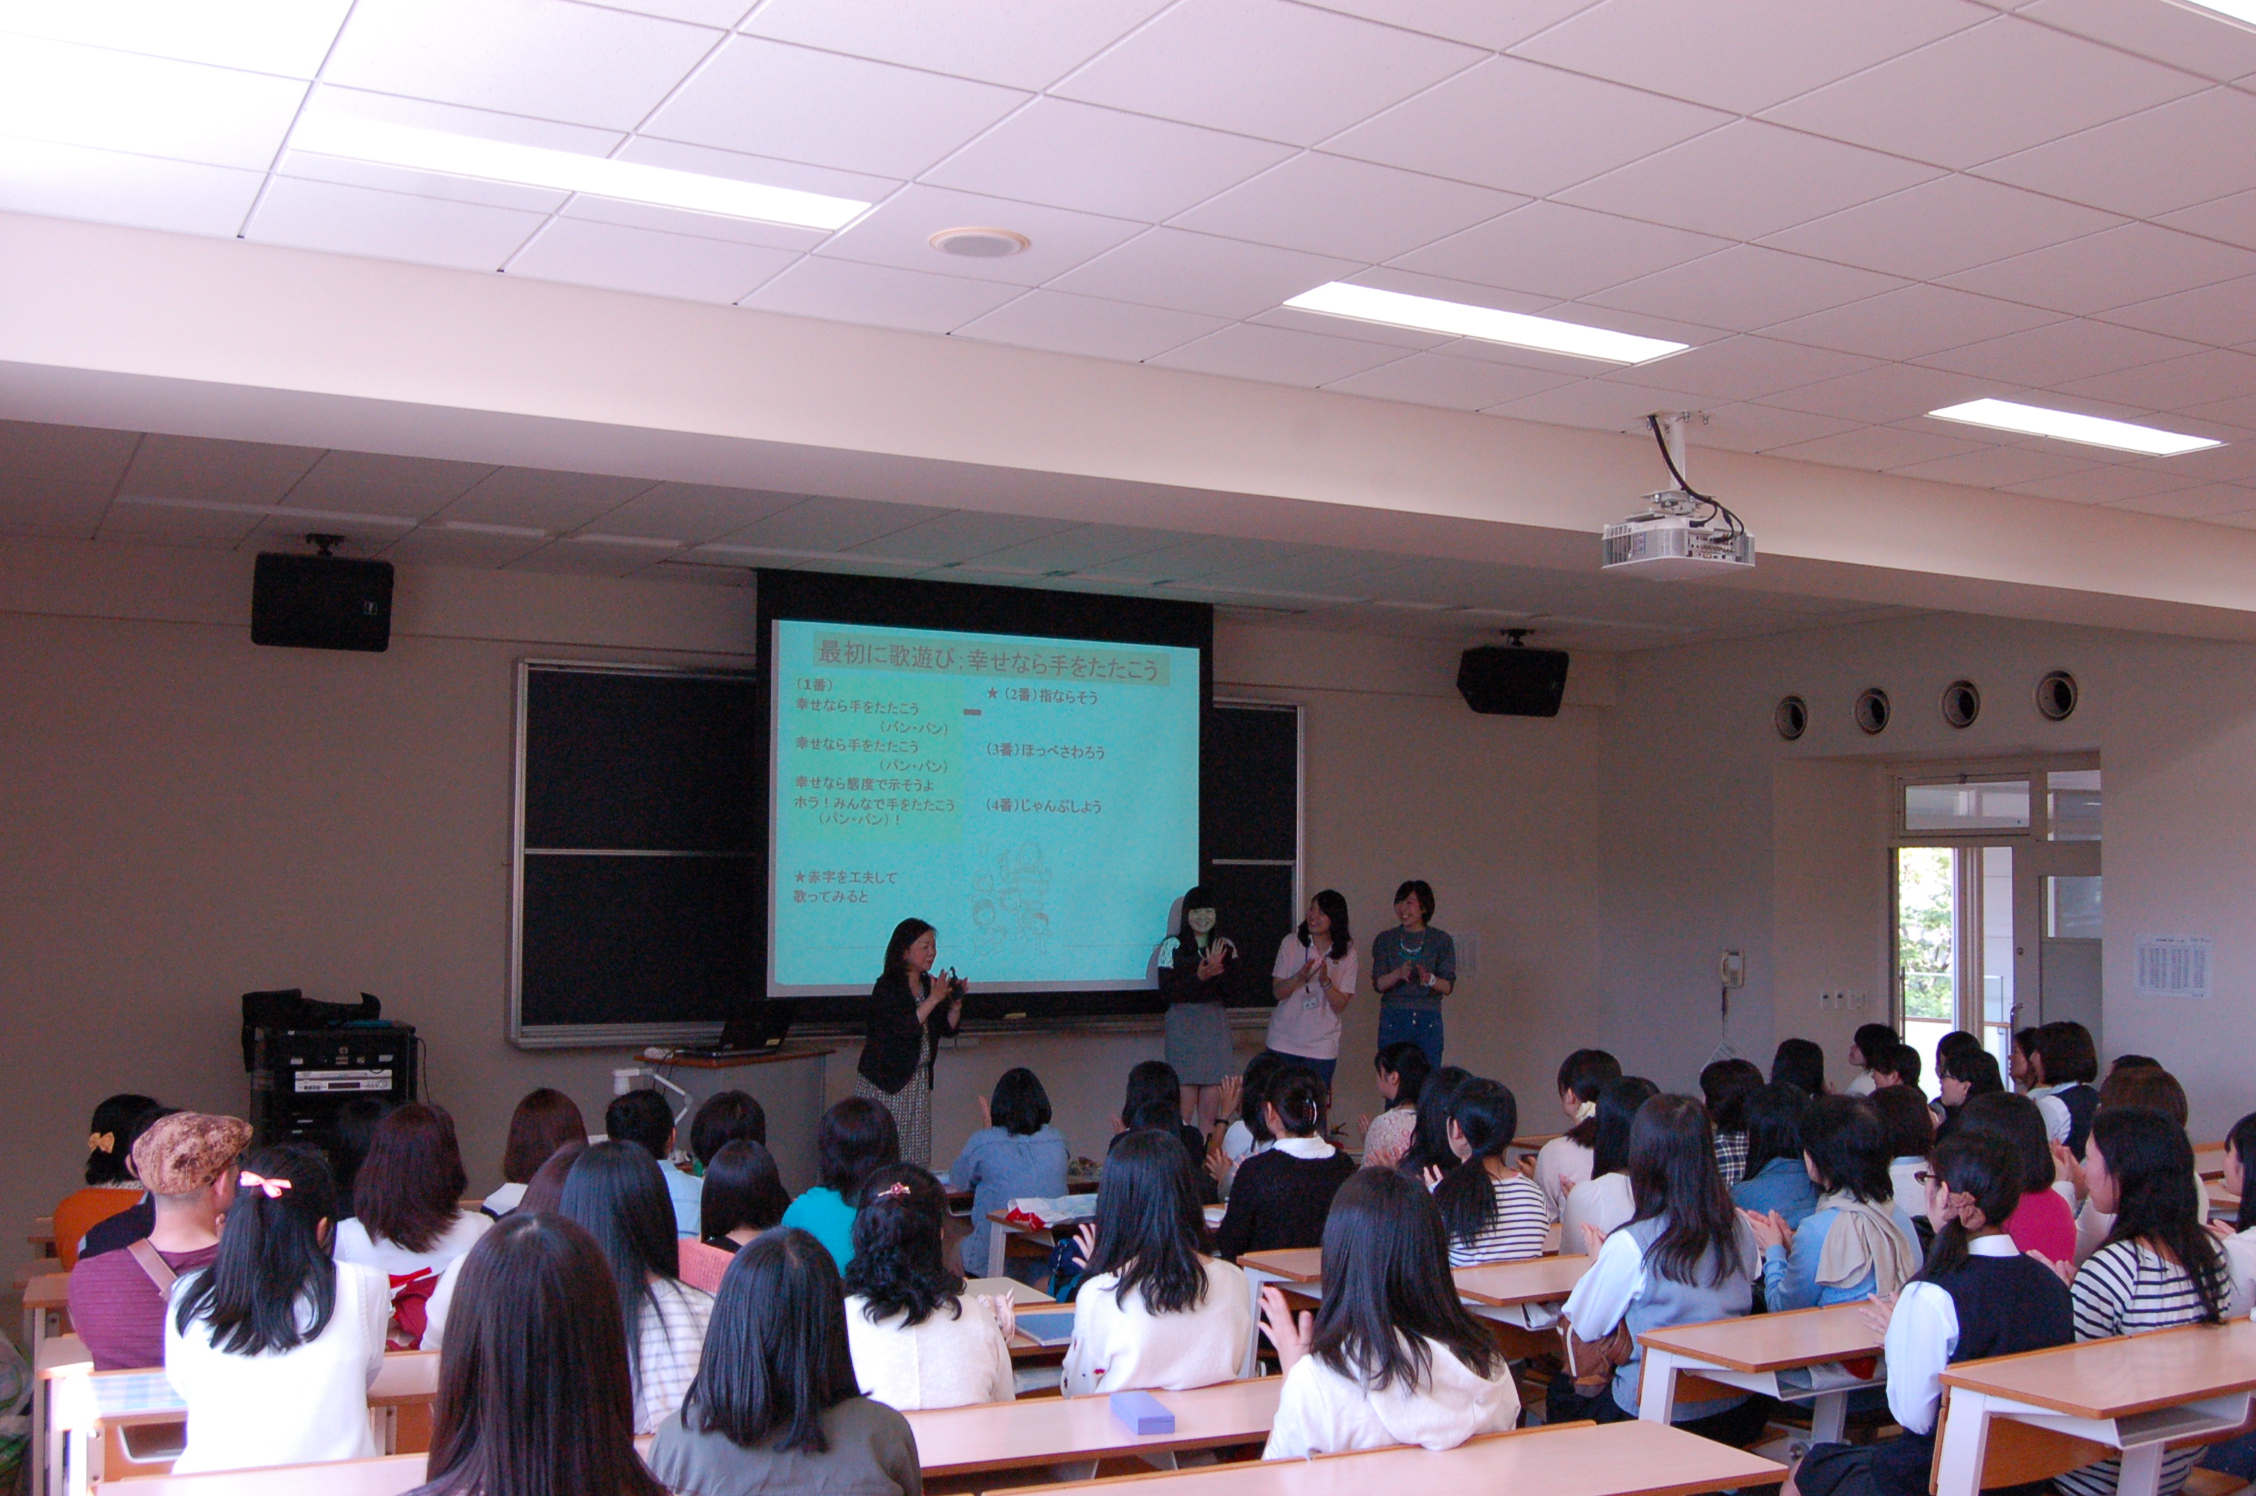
<point x="1402" y="942"/>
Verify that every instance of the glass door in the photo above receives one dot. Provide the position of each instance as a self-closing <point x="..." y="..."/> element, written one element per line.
<point x="1956" y="957"/>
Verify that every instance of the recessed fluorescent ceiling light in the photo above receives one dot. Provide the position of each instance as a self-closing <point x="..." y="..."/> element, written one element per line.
<point x="2240" y="12"/>
<point x="1424" y="313"/>
<point x="566" y="171"/>
<point x="2067" y="426"/>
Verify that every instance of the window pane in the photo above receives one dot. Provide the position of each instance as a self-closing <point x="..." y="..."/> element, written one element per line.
<point x="2073" y="803"/>
<point x="1997" y="935"/>
<point x="2073" y="909"/>
<point x="1925" y="903"/>
<point x="1985" y="805"/>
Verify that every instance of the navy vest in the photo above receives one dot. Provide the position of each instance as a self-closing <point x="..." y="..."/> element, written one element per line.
<point x="2081" y="1101"/>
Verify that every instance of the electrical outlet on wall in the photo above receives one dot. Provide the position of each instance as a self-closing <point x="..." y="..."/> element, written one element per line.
<point x="1731" y="968"/>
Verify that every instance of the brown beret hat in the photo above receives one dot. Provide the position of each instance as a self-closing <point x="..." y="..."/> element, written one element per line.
<point x="186" y="1151"/>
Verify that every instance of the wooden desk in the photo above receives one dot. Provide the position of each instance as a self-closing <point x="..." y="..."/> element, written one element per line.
<point x="1619" y="1459"/>
<point x="388" y="1476"/>
<point x="2209" y="1161"/>
<point x="1047" y="1431"/>
<point x="2137" y="1393"/>
<point x="1507" y="1294"/>
<point x="1750" y="1352"/>
<point x="1532" y="1142"/>
<point x="1001" y="1228"/>
<point x="774" y="1056"/>
<point x="42" y="1236"/>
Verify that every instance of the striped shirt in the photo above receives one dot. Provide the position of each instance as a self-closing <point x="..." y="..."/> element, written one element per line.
<point x="2127" y="1288"/>
<point x="670" y="1340"/>
<point x="1518" y="1228"/>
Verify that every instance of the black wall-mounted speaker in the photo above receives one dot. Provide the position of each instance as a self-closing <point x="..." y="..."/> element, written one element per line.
<point x="321" y="602"/>
<point x="1512" y="681"/>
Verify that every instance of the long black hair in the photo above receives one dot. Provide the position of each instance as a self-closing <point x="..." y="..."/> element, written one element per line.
<point x="1725" y="1085"/>
<point x="856" y="1136"/>
<point x="1774" y="1124"/>
<point x="742" y="1188"/>
<point x="1617" y="1110"/>
<point x="1585" y="1073"/>
<point x="2015" y="1118"/>
<point x="900" y="1262"/>
<point x="1186" y="938"/>
<point x="2159" y="1199"/>
<point x="1019" y="1105"/>
<point x="1429" y="1136"/>
<point x="905" y="934"/>
<point x="1979" y="1162"/>
<point x="1842" y="1135"/>
<point x="776" y="1356"/>
<point x="1486" y="1112"/>
<point x="1150" y="1229"/>
<point x="1388" y="1298"/>
<point x="1673" y="1176"/>
<point x="1408" y="1064"/>
<point x="1335" y="910"/>
<point x="1799" y="1062"/>
<point x="1298" y="1098"/>
<point x="273" y="1286"/>
<point x="616" y="1192"/>
<point x="1155" y="1092"/>
<point x="1260" y="1073"/>
<point x="2242" y="1141"/>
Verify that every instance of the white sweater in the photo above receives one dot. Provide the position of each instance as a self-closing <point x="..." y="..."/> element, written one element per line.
<point x="1120" y="1346"/>
<point x="949" y="1361"/>
<point x="1558" y="1161"/>
<point x="1604" y="1202"/>
<point x="1322" y="1412"/>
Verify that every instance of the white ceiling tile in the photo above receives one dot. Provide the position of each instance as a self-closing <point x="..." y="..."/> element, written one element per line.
<point x="694" y="512"/>
<point x="2205" y="502"/>
<point x="1278" y="355"/>
<point x="1083" y="548"/>
<point x="184" y="467"/>
<point x="191" y="523"/>
<point x="540" y="499"/>
<point x="843" y="291"/>
<point x="2180" y="154"/>
<point x="1444" y="288"/>
<point x="1523" y="128"/>
<point x="544" y="58"/>
<point x="2176" y="34"/>
<point x="312" y="168"/>
<point x="830" y="525"/>
<point x="2116" y="267"/>
<point x="573" y="559"/>
<point x="2233" y="463"/>
<point x="2232" y="219"/>
<point x="1202" y="556"/>
<point x="2207" y="314"/>
<point x="2202" y="379"/>
<point x="2239" y="411"/>
<point x="1995" y="467"/>
<point x="1745" y="56"/>
<point x="624" y="259"/>
<point x="1758" y="428"/>
<point x="1495" y="24"/>
<point x="768" y="171"/>
<point x="1892" y="392"/>
<point x="1747" y="180"/>
<point x="71" y="181"/>
<point x="1743" y="368"/>
<point x="1951" y="223"/>
<point x="2245" y="519"/>
<point x="1265" y="68"/>
<point x="388" y="225"/>
<point x="2051" y="356"/>
<point x="899" y="231"/>
<point x="285" y="37"/>
<point x="1452" y="383"/>
<point x="962" y="535"/>
<point x="694" y="225"/>
<point x="182" y="111"/>
<point x="1019" y="43"/>
<point x="356" y="534"/>
<point x="1878" y="448"/>
<point x="460" y="119"/>
<point x="1104" y="161"/>
<point x="1088" y="325"/>
<point x="1334" y="206"/>
<point x="1911" y="322"/>
<point x="377" y="483"/>
<point x="1979" y="94"/>
<point x="1200" y="273"/>
<point x="769" y="99"/>
<point x="1746" y="286"/>
<point x="439" y="545"/>
<point x="1598" y="404"/>
<point x="2107" y="483"/>
<point x="1556" y="250"/>
<point x="57" y="480"/>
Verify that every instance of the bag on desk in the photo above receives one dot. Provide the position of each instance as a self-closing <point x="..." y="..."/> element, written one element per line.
<point x="1592" y="1363"/>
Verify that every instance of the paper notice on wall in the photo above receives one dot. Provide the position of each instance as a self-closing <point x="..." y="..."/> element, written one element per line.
<point x="2173" y="966"/>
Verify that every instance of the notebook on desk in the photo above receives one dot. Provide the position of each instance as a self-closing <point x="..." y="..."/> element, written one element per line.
<point x="1049" y="1327"/>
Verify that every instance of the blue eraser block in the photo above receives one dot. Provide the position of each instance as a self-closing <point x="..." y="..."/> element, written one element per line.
<point x="1142" y="1413"/>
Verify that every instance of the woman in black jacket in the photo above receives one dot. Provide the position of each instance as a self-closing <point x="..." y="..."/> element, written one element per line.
<point x="911" y="1007"/>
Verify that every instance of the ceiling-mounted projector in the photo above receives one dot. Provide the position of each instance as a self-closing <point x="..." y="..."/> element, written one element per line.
<point x="1683" y="532"/>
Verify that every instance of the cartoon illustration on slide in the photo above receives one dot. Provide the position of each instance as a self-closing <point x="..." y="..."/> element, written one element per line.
<point x="1009" y="899"/>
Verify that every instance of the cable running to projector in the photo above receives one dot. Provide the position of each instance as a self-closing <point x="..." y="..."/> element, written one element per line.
<point x="1716" y="506"/>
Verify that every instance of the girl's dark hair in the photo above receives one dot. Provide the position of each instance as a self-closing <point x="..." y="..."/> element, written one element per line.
<point x="2068" y="1054"/>
<point x="1429" y="1136"/>
<point x="544" y="1192"/>
<point x="2026" y="1041"/>
<point x="2242" y="1141"/>
<point x="1951" y="1043"/>
<point x="271" y="1260"/>
<point x="1150" y="1083"/>
<point x="2133" y="1062"/>
<point x="1253" y="1093"/>
<point x="2159" y="1199"/>
<point x="2148" y="1086"/>
<point x="1408" y="1064"/>
<point x="1298" y="1097"/>
<point x="1903" y="1063"/>
<point x="857" y="1135"/>
<point x="1873" y="1040"/>
<point x="1799" y="1062"/>
<point x="2016" y="1119"/>
<point x="1486" y="1112"/>
<point x="1976" y="1068"/>
<point x="1019" y="1105"/>
<point x="1725" y="1085"/>
<point x="905" y="934"/>
<point x="1388" y="1297"/>
<point x="1617" y="1110"/>
<point x="900" y="1261"/>
<point x="1420" y="889"/>
<point x="1186" y="938"/>
<point x="1904" y="1117"/>
<point x="534" y="1397"/>
<point x="742" y="1188"/>
<point x="1673" y="1176"/>
<point x="113" y="1120"/>
<point x="1585" y="1072"/>
<point x="1984" y="1164"/>
<point x="410" y="1186"/>
<point x="1150" y="1229"/>
<point x="618" y="1196"/>
<point x="776" y="1356"/>
<point x="1842" y="1135"/>
<point x="1335" y="910"/>
<point x="730" y="1116"/>
<point x="544" y="1121"/>
<point x="1774" y="1124"/>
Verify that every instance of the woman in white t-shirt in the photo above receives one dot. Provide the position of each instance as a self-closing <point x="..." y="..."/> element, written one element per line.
<point x="917" y="1341"/>
<point x="1603" y="1201"/>
<point x="408" y="1222"/>
<point x="1564" y="1162"/>
<point x="1314" y="980"/>
<point x="274" y="1346"/>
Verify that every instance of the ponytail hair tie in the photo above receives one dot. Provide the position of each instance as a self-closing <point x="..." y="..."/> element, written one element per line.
<point x="273" y="1189"/>
<point x="1585" y="1111"/>
<point x="891" y="1192"/>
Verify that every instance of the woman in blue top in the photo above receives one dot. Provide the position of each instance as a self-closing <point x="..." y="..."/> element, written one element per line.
<point x="856" y="1139"/>
<point x="1015" y="1154"/>
<point x="1776" y="1178"/>
<point x="1854" y="1245"/>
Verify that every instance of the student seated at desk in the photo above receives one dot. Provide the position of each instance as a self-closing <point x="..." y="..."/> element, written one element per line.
<point x="1390" y="1356"/>
<point x="857" y="1138"/>
<point x="111" y="1190"/>
<point x="1429" y="1133"/>
<point x="1602" y="1202"/>
<point x="1852" y="1246"/>
<point x="1799" y="1063"/>
<point x="1910" y="1130"/>
<point x="917" y="1341"/>
<point x="1962" y="1074"/>
<point x="544" y="1121"/>
<point x="274" y="1346"/>
<point x="1402" y="1070"/>
<point x="534" y="1395"/>
<point x="2145" y="1086"/>
<point x="775" y="1407"/>
<point x="1724" y="1085"/>
<point x="1684" y="1259"/>
<point x="1564" y="1162"/>
<point x="1493" y="1211"/>
<point x="2044" y="1223"/>
<point x="1281" y="1197"/>
<point x="643" y="1117"/>
<point x="544" y="1195"/>
<point x="1155" y="1099"/>
<point x="1776" y="1178"/>
<point x="118" y="1299"/>
<point x="2239" y="1234"/>
<point x="1871" y="1043"/>
<point x="114" y="1233"/>
<point x="1156" y="1311"/>
<point x="1015" y="1155"/>
<point x="408" y="1222"/>
<point x="743" y="1196"/>
<point x="1247" y="1133"/>
<point x="1977" y="1297"/>
<point x="615" y="1193"/>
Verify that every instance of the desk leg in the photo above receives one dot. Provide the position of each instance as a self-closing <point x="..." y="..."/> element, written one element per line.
<point x="77" y="1450"/>
<point x="1966" y="1437"/>
<point x="1829" y="1413"/>
<point x="2142" y="1470"/>
<point x="1256" y="1280"/>
<point x="998" y="1248"/>
<point x="38" y="1452"/>
<point x="1656" y="1391"/>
